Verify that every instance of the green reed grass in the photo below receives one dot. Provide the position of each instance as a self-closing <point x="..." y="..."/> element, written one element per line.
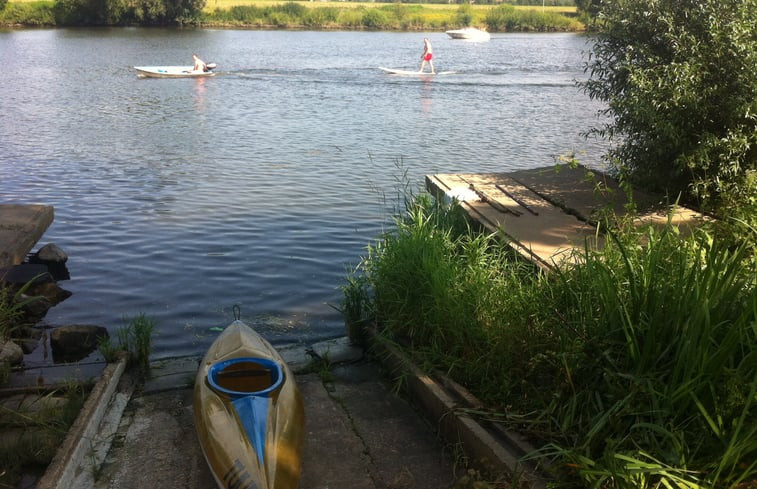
<point x="634" y="367"/>
<point x="12" y="309"/>
<point x="32" y="436"/>
<point x="135" y="337"/>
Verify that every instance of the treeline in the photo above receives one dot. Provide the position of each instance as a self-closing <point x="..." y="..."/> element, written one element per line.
<point x="395" y="16"/>
<point x="101" y="12"/>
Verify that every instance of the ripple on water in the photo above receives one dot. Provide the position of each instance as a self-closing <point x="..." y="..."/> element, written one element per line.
<point x="263" y="185"/>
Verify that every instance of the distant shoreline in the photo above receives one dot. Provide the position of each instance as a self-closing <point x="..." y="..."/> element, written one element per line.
<point x="324" y="16"/>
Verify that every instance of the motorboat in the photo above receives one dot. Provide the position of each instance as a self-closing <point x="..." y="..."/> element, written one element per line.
<point x="469" y="34"/>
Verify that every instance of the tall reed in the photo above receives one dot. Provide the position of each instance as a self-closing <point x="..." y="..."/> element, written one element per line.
<point x="634" y="367"/>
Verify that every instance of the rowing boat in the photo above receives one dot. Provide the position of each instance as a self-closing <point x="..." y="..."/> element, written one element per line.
<point x="248" y="413"/>
<point x="172" y="72"/>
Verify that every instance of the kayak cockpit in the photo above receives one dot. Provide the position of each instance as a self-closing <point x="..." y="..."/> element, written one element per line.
<point x="245" y="376"/>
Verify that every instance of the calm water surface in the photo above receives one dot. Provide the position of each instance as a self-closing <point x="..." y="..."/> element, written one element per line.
<point x="263" y="185"/>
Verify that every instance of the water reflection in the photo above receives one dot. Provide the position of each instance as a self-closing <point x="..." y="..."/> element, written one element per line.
<point x="426" y="85"/>
<point x="200" y="94"/>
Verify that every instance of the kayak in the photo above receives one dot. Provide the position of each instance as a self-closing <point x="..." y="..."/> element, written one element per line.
<point x="171" y="72"/>
<point x="248" y="412"/>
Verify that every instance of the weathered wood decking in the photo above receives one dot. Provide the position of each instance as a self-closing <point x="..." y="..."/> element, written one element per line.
<point x="547" y="212"/>
<point x="21" y="226"/>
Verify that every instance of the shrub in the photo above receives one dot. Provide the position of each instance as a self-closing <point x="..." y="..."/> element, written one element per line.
<point x="28" y="14"/>
<point x="374" y="18"/>
<point x="679" y="81"/>
<point x="464" y="16"/>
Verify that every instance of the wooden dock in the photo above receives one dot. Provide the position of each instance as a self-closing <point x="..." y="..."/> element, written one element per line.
<point x="21" y="226"/>
<point x="545" y="213"/>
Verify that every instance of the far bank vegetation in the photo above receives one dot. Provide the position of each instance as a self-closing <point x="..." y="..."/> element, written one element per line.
<point x="555" y="15"/>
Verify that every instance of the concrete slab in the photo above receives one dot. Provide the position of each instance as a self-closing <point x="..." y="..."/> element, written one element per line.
<point x="21" y="226"/>
<point x="360" y="435"/>
<point x="338" y="350"/>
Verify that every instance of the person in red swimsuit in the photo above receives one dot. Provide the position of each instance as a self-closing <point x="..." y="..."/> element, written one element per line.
<point x="427" y="55"/>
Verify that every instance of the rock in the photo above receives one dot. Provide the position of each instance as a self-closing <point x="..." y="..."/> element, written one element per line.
<point x="54" y="258"/>
<point x="34" y="308"/>
<point x="29" y="339"/>
<point x="74" y="342"/>
<point x="51" y="253"/>
<point x="11" y="353"/>
<point x="50" y="291"/>
<point x="19" y="275"/>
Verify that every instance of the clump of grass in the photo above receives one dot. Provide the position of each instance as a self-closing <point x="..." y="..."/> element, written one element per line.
<point x="356" y="307"/>
<point x="135" y="338"/>
<point x="12" y="304"/>
<point x="633" y="367"/>
<point x="34" y="433"/>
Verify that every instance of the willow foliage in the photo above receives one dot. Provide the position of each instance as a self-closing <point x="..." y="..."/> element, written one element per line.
<point x="680" y="84"/>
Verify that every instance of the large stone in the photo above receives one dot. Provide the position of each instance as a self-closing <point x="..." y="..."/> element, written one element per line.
<point x="74" y="342"/>
<point x="52" y="253"/>
<point x="11" y="353"/>
<point x="54" y="258"/>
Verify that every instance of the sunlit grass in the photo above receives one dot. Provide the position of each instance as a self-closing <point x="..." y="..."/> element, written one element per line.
<point x="211" y="5"/>
<point x="227" y="4"/>
<point x="635" y="367"/>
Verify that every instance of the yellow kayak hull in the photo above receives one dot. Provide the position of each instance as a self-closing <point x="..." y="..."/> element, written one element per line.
<point x="248" y="413"/>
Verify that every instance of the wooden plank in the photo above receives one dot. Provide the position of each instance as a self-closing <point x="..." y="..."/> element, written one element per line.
<point x="585" y="192"/>
<point x="534" y="227"/>
<point x="21" y="227"/>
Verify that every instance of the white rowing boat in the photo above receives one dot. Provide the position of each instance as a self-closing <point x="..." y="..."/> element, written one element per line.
<point x="172" y="72"/>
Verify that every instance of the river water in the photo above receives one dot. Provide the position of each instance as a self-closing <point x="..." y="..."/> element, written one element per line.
<point x="263" y="185"/>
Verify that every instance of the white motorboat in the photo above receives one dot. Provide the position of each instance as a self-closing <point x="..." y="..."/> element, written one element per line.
<point x="469" y="34"/>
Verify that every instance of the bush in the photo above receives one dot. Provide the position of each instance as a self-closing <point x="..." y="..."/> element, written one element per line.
<point x="464" y="16"/>
<point x="247" y="14"/>
<point x="114" y="12"/>
<point x="28" y="14"/>
<point x="321" y="17"/>
<point x="681" y="88"/>
<point x="351" y="17"/>
<point x="375" y="18"/>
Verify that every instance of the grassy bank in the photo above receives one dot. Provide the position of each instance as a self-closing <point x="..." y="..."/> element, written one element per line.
<point x="390" y="16"/>
<point x="342" y="15"/>
<point x="636" y="367"/>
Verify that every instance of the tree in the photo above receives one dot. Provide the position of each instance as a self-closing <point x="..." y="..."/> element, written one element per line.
<point x="114" y="12"/>
<point x="680" y="81"/>
<point x="590" y="7"/>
